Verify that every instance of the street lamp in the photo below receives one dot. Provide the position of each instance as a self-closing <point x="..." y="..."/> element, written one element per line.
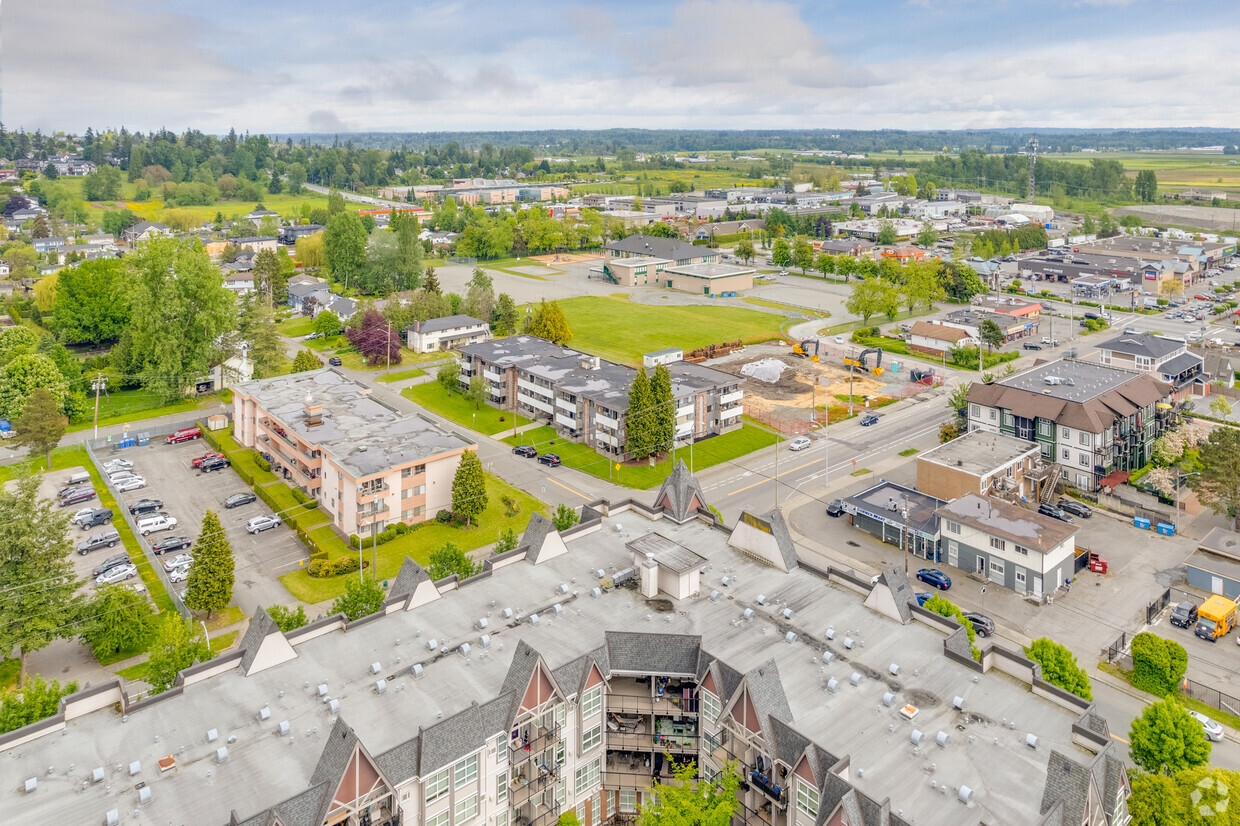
<point x="904" y="543"/>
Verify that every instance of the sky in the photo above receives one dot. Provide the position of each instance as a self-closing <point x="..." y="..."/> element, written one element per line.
<point x="278" y="66"/>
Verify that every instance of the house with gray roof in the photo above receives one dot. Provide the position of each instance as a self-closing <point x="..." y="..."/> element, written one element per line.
<point x="1167" y="358"/>
<point x="445" y="333"/>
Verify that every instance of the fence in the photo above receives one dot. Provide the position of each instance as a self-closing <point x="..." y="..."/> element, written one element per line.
<point x="1211" y="697"/>
<point x="461" y="259"/>
<point x="1116" y="649"/>
<point x="1154" y="608"/>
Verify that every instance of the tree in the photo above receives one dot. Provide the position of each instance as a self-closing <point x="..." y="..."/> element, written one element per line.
<point x="803" y="255"/>
<point x="287" y="620"/>
<point x="361" y="598"/>
<point x="781" y="253"/>
<point x="311" y="250"/>
<point x="211" y="577"/>
<point x="506" y="542"/>
<point x="116" y="221"/>
<point x="469" y="487"/>
<point x="37" y="577"/>
<point x="450" y="560"/>
<point x="1156" y="800"/>
<point x="1166" y="739"/>
<point x="960" y="281"/>
<point x="449" y="375"/>
<point x="564" y="517"/>
<point x="379" y="277"/>
<point x="306" y="360"/>
<point x="688" y="801"/>
<point x="1158" y="664"/>
<point x="479" y="295"/>
<point x="409" y="251"/>
<point x="344" y="243"/>
<point x="271" y="272"/>
<point x="662" y="410"/>
<point x="948" y="431"/>
<point x="1217" y="485"/>
<point x="117" y="619"/>
<point x="328" y="324"/>
<point x="870" y="298"/>
<point x="40" y="228"/>
<point x="37" y="701"/>
<point x="375" y="339"/>
<point x="477" y="391"/>
<point x="258" y="328"/>
<point x="504" y="316"/>
<point x="549" y="323"/>
<point x="429" y="282"/>
<point x="41" y="425"/>
<point x="91" y="306"/>
<point x="927" y="236"/>
<point x="990" y="334"/>
<point x="639" y="426"/>
<point x="1220" y="407"/>
<point x="744" y="250"/>
<point x="295" y="175"/>
<point x="25" y="374"/>
<point x="335" y="203"/>
<point x="175" y="647"/>
<point x="887" y="233"/>
<point x="921" y="285"/>
<point x="103" y="184"/>
<point x="1146" y="186"/>
<point x="1059" y="667"/>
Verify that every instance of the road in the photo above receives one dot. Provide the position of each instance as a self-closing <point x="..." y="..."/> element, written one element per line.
<point x="360" y="199"/>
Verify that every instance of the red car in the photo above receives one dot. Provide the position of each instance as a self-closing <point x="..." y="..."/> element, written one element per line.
<point x="204" y="457"/>
<point x="186" y="435"/>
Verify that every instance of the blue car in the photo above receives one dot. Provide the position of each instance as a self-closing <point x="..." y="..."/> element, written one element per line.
<point x="922" y="597"/>
<point x="869" y="419"/>
<point x="934" y="578"/>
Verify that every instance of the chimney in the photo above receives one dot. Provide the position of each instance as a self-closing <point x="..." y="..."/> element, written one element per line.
<point x="313" y="410"/>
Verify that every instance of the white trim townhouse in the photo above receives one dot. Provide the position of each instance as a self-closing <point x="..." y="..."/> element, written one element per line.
<point x="445" y="333"/>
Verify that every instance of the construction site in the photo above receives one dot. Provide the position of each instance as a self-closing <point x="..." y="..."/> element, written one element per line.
<point x="793" y="386"/>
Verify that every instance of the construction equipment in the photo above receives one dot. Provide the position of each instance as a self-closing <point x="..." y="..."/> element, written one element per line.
<point x="803" y="349"/>
<point x="860" y="360"/>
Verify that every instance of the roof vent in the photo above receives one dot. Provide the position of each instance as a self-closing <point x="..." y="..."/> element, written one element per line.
<point x="941" y="739"/>
<point x="264" y="713"/>
<point x="833" y="685"/>
<point x="135" y="767"/>
<point x="481" y="624"/>
<point x="888" y="698"/>
<point x="506" y="613"/>
<point x="965" y="795"/>
<point x="855" y="679"/>
<point x="533" y="619"/>
<point x="958" y="703"/>
<point x="465" y="649"/>
<point x="828" y="657"/>
<point x="284" y="727"/>
<point x="334" y="706"/>
<point x="375" y="668"/>
<point x="144" y="795"/>
<point x="916" y="737"/>
<point x="1031" y="740"/>
<point x="431" y="645"/>
<point x="221" y="754"/>
<point x="32" y="783"/>
<point x="790" y="638"/>
<point x="747" y="614"/>
<point x="212" y="735"/>
<point x="416" y="670"/>
<point x="380" y="686"/>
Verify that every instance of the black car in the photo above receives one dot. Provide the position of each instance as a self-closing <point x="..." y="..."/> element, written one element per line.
<point x="549" y="459"/>
<point x="836" y="508"/>
<point x="335" y="361"/>
<point x="527" y="451"/>
<point x="239" y="499"/>
<point x="1030" y="345"/>
<point x="110" y="562"/>
<point x="218" y="463"/>
<point x="99" y="516"/>
<point x="170" y="543"/>
<point x="77" y="497"/>
<point x="1184" y="615"/>
<point x="1075" y="508"/>
<point x="145" y="506"/>
<point x="983" y="625"/>
<point x="1054" y="511"/>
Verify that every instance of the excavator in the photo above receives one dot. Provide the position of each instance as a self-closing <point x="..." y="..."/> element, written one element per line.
<point x="859" y="360"/>
<point x="803" y="349"/>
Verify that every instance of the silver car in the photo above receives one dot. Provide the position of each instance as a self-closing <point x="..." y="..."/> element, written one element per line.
<point x="1212" y="730"/>
<point x="117" y="574"/>
<point x="132" y="483"/>
<point x="261" y="523"/>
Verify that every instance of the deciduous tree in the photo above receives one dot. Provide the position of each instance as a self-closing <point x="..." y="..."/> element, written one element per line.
<point x="306" y="360"/>
<point x="37" y="701"/>
<point x="479" y="295"/>
<point x="1059" y="667"/>
<point x="328" y="324"/>
<point x="1218" y="483"/>
<point x="211" y="577"/>
<point x="286" y="619"/>
<point x="344" y="241"/>
<point x="803" y="255"/>
<point x="1158" y="664"/>
<point x="990" y="334"/>
<point x="887" y="233"/>
<point x="1166" y="739"/>
<point x="744" y="250"/>
<point x="450" y="560"/>
<point x="688" y="801"/>
<point x="870" y="298"/>
<point x="361" y="598"/>
<point x="781" y="253"/>
<point x="175" y="646"/>
<point x="41" y="425"/>
<point x="91" y="302"/>
<point x="469" y="487"/>
<point x="22" y="376"/>
<point x="117" y="619"/>
<point x="376" y="339"/>
<point x="564" y="517"/>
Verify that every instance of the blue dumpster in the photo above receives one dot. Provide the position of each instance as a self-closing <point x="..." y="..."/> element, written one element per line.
<point x="1143" y="524"/>
<point x="1165" y="529"/>
<point x="144" y="439"/>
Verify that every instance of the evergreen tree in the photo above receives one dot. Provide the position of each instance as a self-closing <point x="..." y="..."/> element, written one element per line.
<point x="639" y="435"/>
<point x="41" y="425"/>
<point x="211" y="576"/>
<point x="118" y="618"/>
<point x="430" y="283"/>
<point x="306" y="360"/>
<point x="663" y="411"/>
<point x="450" y="560"/>
<point x="549" y="323"/>
<point x="504" y="316"/>
<point x="469" y="487"/>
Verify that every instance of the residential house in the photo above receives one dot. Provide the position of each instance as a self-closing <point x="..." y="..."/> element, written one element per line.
<point x="1012" y="327"/>
<point x="707" y="232"/>
<point x="982" y="462"/>
<point x="445" y="333"/>
<point x="301" y="286"/>
<point x="144" y="231"/>
<point x="854" y="247"/>
<point x="43" y="246"/>
<point x="1167" y="358"/>
<point x="935" y="339"/>
<point x="257" y="243"/>
<point x="239" y="282"/>
<point x="290" y="234"/>
<point x="256" y="216"/>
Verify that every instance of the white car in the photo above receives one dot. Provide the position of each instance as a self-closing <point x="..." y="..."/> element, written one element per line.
<point x="117" y="574"/>
<point x="1212" y="730"/>
<point x="839" y="339"/>
<point x="179" y="574"/>
<point x="177" y="561"/>
<point x="261" y="523"/>
<point x="80" y="515"/>
<point x="117" y="464"/>
<point x="117" y="475"/>
<point x="799" y="443"/>
<point x="132" y="483"/>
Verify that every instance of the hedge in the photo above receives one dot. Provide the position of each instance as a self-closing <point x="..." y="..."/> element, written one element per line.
<point x="332" y="567"/>
<point x="946" y="608"/>
<point x="388" y="534"/>
<point x="1158" y="664"/>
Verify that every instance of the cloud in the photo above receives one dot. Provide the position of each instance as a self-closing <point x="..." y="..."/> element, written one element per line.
<point x="322" y="120"/>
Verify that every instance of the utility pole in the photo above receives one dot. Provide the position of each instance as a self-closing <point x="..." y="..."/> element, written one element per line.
<point x="1033" y="159"/>
<point x="98" y="386"/>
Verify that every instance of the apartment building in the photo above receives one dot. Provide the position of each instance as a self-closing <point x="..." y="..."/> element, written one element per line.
<point x="522" y="695"/>
<point x="980" y="462"/>
<point x="1090" y="419"/>
<point x="367" y="464"/>
<point x="586" y="398"/>
<point x="1167" y="358"/>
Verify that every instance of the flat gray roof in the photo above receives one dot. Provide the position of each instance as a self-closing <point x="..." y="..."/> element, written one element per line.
<point x="979" y="452"/>
<point x="710" y="270"/>
<point x="363" y="434"/>
<point x="1088" y="380"/>
<point x="667" y="553"/>
<point x="1027" y="528"/>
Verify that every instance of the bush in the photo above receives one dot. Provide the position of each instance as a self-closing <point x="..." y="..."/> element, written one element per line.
<point x="1059" y="667"/>
<point x="262" y="463"/>
<point x="443" y="517"/>
<point x="332" y="567"/>
<point x="511" y="506"/>
<point x="944" y="608"/>
<point x="1158" y="664"/>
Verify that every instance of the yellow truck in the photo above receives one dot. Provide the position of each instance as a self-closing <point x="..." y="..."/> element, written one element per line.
<point x="1215" y="617"/>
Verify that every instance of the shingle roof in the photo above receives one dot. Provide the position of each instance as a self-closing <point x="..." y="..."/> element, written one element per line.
<point x="783" y="539"/>
<point x="452" y="738"/>
<point x="1067" y="782"/>
<point x="658" y="653"/>
<point x="1093" y="414"/>
<point x="435" y="325"/>
<point x="261" y="626"/>
<point x="1142" y="344"/>
<point x="938" y="332"/>
<point x="657" y="247"/>
<point x="1177" y="365"/>
<point x="336" y="753"/>
<point x="401" y="763"/>
<point x="766" y="691"/>
<point x="301" y="809"/>
<point x="789" y="744"/>
<point x="680" y="487"/>
<point x="536" y="533"/>
<point x="901" y="590"/>
<point x="411" y="575"/>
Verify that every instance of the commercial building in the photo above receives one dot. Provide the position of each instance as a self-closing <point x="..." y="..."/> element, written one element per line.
<point x="980" y="462"/>
<point x="655" y="246"/>
<point x="1011" y="546"/>
<point x="1088" y="418"/>
<point x="586" y="399"/>
<point x="519" y="696"/>
<point x="1167" y="358"/>
<point x="1013" y="327"/>
<point x="899" y="516"/>
<point x="712" y="279"/>
<point x="935" y="339"/>
<point x="445" y="333"/>
<point x="366" y="464"/>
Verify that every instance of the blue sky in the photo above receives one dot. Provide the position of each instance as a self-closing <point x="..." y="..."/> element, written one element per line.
<point x="398" y="65"/>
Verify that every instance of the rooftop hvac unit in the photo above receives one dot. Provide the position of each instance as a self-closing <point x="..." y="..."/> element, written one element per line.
<point x="96" y="775"/>
<point x="563" y="589"/>
<point x="465" y="649"/>
<point x="144" y="795"/>
<point x="787" y="613"/>
<point x="221" y="754"/>
<point x="1031" y="740"/>
<point x="596" y="592"/>
<point x="135" y="767"/>
<point x="212" y="735"/>
<point x="965" y="795"/>
<point x="848" y="642"/>
<point x="416" y="670"/>
<point x="725" y="581"/>
<point x="888" y="698"/>
<point x="855" y="679"/>
<point x="481" y="624"/>
<point x="533" y="619"/>
<point x="916" y="737"/>
<point x="894" y="669"/>
<point x="432" y="645"/>
<point x="375" y="668"/>
<point x="112" y="818"/>
<point x="941" y="739"/>
<point x="790" y="638"/>
<point x="380" y="686"/>
<point x="322" y="690"/>
<point x="32" y="783"/>
<point x="557" y="609"/>
<point x="830" y="633"/>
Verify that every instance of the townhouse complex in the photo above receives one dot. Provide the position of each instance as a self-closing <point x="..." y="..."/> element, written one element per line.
<point x="365" y="463"/>
<point x="586" y="398"/>
<point x="573" y="675"/>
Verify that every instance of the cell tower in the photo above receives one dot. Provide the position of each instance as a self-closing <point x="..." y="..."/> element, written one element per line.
<point x="1033" y="159"/>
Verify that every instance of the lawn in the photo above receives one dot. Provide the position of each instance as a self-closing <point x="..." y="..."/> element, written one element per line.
<point x="135" y="404"/>
<point x="400" y="375"/>
<point x="137" y="671"/>
<point x="456" y="408"/>
<point x="642" y="476"/>
<point x="225" y="618"/>
<point x="419" y="544"/>
<point x="9" y="669"/>
<point x="296" y="327"/>
<point x="619" y="330"/>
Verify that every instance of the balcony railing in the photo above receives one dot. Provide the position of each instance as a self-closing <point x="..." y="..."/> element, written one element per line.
<point x="669" y="704"/>
<point x="532" y="739"/>
<point x="766" y="784"/>
<point x="530" y="782"/>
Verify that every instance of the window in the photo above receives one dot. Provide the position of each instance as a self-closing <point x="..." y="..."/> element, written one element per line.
<point x="997" y="567"/>
<point x="710" y="705"/>
<point x="1067" y="434"/>
<point x="466" y="809"/>
<point x="992" y="414"/>
<point x="1020" y="579"/>
<point x="406" y="514"/>
<point x="588" y="776"/>
<point x="406" y="493"/>
<point x="501" y="786"/>
<point x="1044" y="427"/>
<point x="437" y="786"/>
<point x="807" y="799"/>
<point x="419" y="490"/>
<point x="440" y="819"/>
<point x="559" y="754"/>
<point x="559" y="793"/>
<point x="1066" y="454"/>
<point x="997" y="543"/>
<point x="501" y="818"/>
<point x="465" y="771"/>
<point x="592" y="702"/>
<point x="591" y="738"/>
<point x="561" y="712"/>
<point x="419" y="510"/>
<point x="1084" y="460"/>
<point x="1021" y="550"/>
<point x="711" y="741"/>
<point x="418" y="470"/>
<point x="1082" y="481"/>
<point x="1008" y="419"/>
<point x="975" y="411"/>
<point x="628" y="801"/>
<point x="406" y="472"/>
<point x="1084" y="439"/>
<point x="953" y="527"/>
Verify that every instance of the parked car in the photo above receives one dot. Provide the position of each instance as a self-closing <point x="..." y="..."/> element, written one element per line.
<point x="261" y="523"/>
<point x="1212" y="730"/>
<point x="983" y="625"/>
<point x="78" y="497"/>
<point x="1054" y="511"/>
<point x="214" y="464"/>
<point x="80" y="515"/>
<point x="98" y="516"/>
<point x="69" y="491"/>
<point x="839" y="339"/>
<point x="923" y="597"/>
<point x="1075" y="508"/>
<point x="157" y="522"/>
<point x="118" y="574"/>
<point x="187" y="434"/>
<point x="117" y="464"/>
<point x="1050" y="342"/>
<point x="527" y="451"/>
<point x="1184" y="615"/>
<point x="934" y="577"/>
<point x="1029" y="345"/>
<point x="103" y="539"/>
<point x="171" y="543"/>
<point x="799" y="443"/>
<point x="179" y="575"/>
<point x="132" y="483"/>
<point x="311" y="336"/>
<point x="109" y="563"/>
<point x="204" y="457"/>
<point x="145" y="506"/>
<point x="869" y="419"/>
<point x="335" y="361"/>
<point x="177" y="561"/>
<point x="836" y="508"/>
<point x="550" y="459"/>
<point x="239" y="499"/>
<point x="118" y="475"/>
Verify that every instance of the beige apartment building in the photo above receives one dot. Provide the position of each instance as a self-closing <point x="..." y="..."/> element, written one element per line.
<point x="367" y="464"/>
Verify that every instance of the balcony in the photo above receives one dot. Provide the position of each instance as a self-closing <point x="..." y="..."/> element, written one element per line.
<point x="530" y="781"/>
<point x="666" y="737"/>
<point x="673" y="700"/>
<point x="731" y="412"/>
<point x="565" y="404"/>
<point x="766" y="784"/>
<point x="493" y="375"/>
<point x="529" y="387"/>
<point x="687" y="410"/>
<point x="366" y="496"/>
<point x="537" y="404"/>
<point x="734" y="396"/>
<point x="376" y="509"/>
<point x="566" y="421"/>
<point x="606" y="421"/>
<point x="531" y="739"/>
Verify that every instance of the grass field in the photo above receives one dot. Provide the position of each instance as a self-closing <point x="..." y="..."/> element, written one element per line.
<point x="120" y="406"/>
<point x="619" y="330"/>
<point x="419" y="544"/>
<point x="1174" y="170"/>
<point x="9" y="669"/>
<point x="400" y="375"/>
<point x="706" y="453"/>
<point x="453" y="406"/>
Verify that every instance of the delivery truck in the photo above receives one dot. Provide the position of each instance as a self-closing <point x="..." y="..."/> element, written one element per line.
<point x="1215" y="617"/>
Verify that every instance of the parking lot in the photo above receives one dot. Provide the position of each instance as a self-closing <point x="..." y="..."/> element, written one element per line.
<point x="187" y="493"/>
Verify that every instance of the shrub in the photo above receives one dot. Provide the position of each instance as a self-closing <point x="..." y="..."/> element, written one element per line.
<point x="346" y="564"/>
<point x="1059" y="667"/>
<point x="1158" y="664"/>
<point x="321" y="567"/>
<point x="443" y="517"/>
<point x="262" y="463"/>
<point x="945" y="608"/>
<point x="511" y="506"/>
